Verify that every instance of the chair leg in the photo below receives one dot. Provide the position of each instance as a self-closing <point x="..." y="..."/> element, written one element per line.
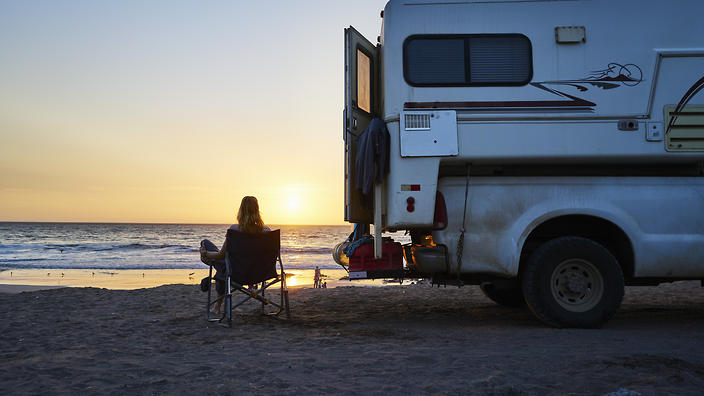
<point x="229" y="311"/>
<point x="210" y="286"/>
<point x="263" y="290"/>
<point x="288" y="311"/>
<point x="228" y="303"/>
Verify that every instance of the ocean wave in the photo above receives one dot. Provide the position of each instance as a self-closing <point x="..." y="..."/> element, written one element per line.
<point x="62" y="245"/>
<point x="145" y="246"/>
<point x="4" y="261"/>
<point x="102" y="247"/>
<point x="148" y="246"/>
<point x="305" y="250"/>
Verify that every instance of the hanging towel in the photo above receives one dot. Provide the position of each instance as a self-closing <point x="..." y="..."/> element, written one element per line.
<point x="372" y="162"/>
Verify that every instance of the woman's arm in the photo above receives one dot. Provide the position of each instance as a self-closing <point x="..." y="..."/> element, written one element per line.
<point x="219" y="255"/>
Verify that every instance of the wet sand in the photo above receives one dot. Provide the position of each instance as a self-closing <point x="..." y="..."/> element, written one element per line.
<point x="348" y="340"/>
<point x="17" y="280"/>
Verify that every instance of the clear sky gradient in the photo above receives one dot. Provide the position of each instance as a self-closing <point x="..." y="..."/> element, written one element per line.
<point x="171" y="111"/>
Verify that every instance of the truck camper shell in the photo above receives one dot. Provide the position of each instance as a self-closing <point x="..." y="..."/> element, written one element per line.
<point x="533" y="120"/>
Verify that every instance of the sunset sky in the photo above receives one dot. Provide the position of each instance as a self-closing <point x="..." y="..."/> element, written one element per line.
<point x="171" y="111"/>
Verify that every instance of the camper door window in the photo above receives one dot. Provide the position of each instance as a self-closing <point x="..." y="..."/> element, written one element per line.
<point x="364" y="79"/>
<point x="467" y="60"/>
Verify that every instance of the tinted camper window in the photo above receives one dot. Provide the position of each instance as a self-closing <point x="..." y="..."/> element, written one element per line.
<point x="465" y="60"/>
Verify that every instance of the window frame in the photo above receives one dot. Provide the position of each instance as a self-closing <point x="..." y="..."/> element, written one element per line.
<point x="355" y="101"/>
<point x="467" y="72"/>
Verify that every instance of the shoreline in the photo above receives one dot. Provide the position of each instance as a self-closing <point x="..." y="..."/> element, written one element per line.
<point x="20" y="280"/>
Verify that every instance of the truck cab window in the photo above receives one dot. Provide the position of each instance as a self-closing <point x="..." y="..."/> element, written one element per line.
<point x="467" y="60"/>
<point x="364" y="92"/>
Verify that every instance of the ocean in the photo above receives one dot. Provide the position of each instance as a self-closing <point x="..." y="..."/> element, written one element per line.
<point x="149" y="246"/>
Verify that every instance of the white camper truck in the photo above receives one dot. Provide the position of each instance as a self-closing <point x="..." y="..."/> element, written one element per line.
<point x="550" y="151"/>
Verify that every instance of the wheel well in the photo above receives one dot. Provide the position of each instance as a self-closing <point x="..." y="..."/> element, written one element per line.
<point x="597" y="229"/>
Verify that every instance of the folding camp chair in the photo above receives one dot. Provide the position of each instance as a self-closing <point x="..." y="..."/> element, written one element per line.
<point x="251" y="260"/>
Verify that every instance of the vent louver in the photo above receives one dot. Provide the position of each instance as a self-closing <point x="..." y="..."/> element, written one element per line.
<point x="684" y="129"/>
<point x="417" y="122"/>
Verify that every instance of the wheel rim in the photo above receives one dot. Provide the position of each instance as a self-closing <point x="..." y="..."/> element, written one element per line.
<point x="577" y="285"/>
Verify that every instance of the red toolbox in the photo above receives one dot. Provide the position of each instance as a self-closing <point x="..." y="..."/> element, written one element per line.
<point x="391" y="257"/>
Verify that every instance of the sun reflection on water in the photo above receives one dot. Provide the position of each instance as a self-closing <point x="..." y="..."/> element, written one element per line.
<point x="293" y="279"/>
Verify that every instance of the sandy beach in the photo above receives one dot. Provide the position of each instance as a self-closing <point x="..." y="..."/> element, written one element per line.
<point x="351" y="340"/>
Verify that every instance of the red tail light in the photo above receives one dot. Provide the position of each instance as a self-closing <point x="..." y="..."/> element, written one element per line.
<point x="440" y="217"/>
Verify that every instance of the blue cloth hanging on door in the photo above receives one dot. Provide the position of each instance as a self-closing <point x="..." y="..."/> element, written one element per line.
<point x="372" y="162"/>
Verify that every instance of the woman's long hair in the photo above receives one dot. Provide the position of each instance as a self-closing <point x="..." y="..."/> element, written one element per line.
<point x="248" y="216"/>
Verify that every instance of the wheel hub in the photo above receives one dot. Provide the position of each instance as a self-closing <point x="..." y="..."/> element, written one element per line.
<point x="577" y="285"/>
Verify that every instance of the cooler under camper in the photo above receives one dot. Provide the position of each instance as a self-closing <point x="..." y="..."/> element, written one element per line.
<point x="363" y="264"/>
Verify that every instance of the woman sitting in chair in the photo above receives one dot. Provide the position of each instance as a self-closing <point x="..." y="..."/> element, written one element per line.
<point x="248" y="220"/>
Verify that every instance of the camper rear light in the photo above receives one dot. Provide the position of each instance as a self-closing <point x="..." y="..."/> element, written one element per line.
<point x="440" y="217"/>
<point x="411" y="204"/>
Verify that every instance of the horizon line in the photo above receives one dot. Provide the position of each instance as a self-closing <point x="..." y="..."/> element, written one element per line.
<point x="153" y="223"/>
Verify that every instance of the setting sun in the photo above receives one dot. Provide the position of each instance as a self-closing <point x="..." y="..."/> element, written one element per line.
<point x="293" y="203"/>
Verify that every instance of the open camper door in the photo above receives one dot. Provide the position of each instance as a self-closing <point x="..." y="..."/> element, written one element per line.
<point x="361" y="105"/>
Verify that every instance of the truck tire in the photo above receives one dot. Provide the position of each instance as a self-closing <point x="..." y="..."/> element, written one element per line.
<point x="572" y="282"/>
<point x="512" y="297"/>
